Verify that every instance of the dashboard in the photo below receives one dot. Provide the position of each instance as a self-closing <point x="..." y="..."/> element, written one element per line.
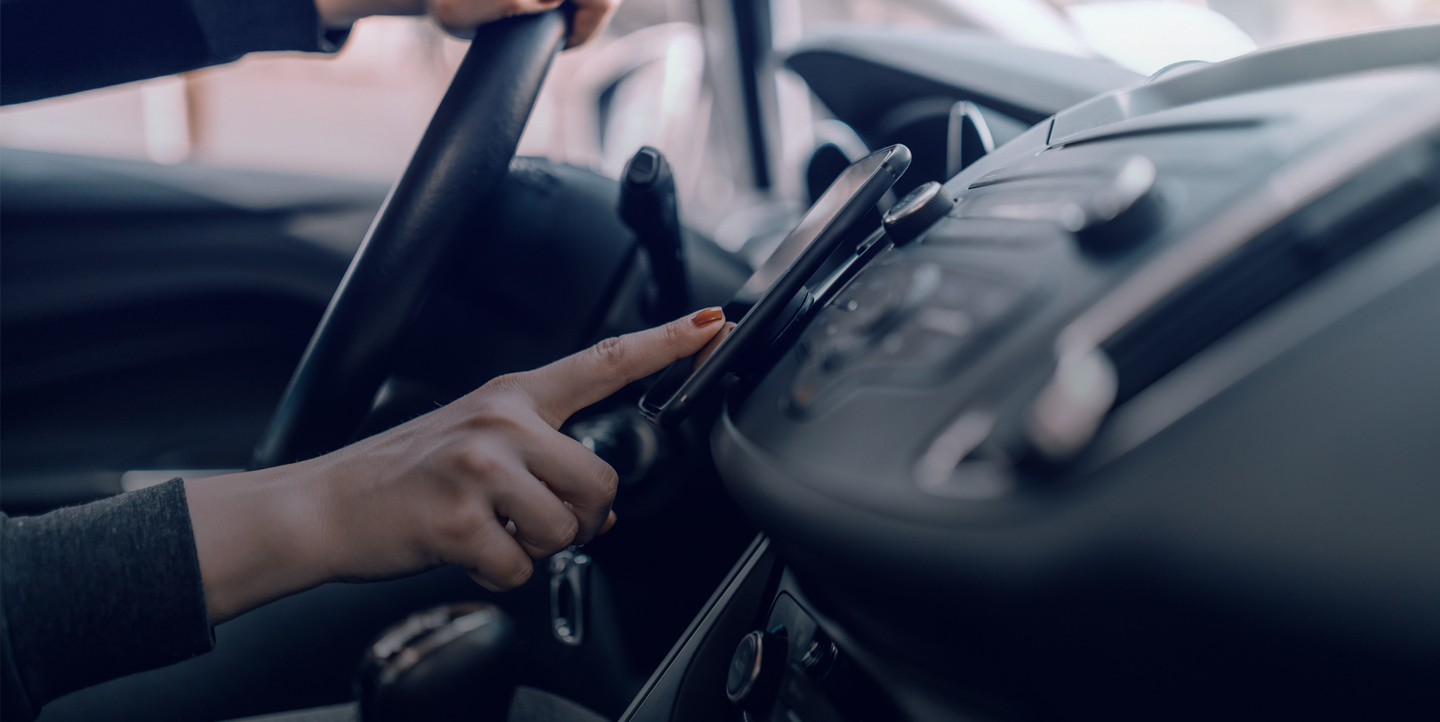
<point x="1148" y="424"/>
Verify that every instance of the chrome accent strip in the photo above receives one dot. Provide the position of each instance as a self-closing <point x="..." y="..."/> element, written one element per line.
<point x="960" y="112"/>
<point x="754" y="674"/>
<point x="400" y="656"/>
<point x="568" y="573"/>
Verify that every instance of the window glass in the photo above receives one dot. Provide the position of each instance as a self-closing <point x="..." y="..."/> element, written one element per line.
<point x="663" y="74"/>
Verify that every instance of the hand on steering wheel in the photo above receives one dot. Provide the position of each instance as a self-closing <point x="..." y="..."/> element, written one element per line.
<point x="463" y="16"/>
<point x="487" y="482"/>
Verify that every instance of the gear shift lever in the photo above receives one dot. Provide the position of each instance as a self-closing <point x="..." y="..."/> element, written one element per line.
<point x="648" y="206"/>
<point x="446" y="664"/>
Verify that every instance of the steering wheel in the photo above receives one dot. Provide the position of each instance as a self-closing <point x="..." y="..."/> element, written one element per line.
<point x="460" y="162"/>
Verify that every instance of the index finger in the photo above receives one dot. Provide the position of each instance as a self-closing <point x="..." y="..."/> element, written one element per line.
<point x="579" y="380"/>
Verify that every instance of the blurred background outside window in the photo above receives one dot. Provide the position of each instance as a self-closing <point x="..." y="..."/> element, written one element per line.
<point x="665" y="74"/>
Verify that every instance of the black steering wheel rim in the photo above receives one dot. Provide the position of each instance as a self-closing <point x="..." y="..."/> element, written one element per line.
<point x="459" y="164"/>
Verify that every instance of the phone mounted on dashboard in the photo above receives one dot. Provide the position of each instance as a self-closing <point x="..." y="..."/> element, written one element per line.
<point x="779" y="285"/>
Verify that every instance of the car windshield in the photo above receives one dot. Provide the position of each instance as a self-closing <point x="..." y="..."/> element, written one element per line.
<point x="1143" y="35"/>
<point x="666" y="73"/>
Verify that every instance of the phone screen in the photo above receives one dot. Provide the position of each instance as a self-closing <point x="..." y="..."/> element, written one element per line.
<point x="779" y="283"/>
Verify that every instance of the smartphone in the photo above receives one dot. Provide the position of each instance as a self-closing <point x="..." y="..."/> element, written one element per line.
<point x="780" y="284"/>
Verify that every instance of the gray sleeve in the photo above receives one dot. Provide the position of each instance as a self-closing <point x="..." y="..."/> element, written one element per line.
<point x="55" y="47"/>
<point x="234" y="28"/>
<point x="95" y="592"/>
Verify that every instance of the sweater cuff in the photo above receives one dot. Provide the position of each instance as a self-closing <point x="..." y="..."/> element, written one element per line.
<point x="233" y="28"/>
<point x="103" y="590"/>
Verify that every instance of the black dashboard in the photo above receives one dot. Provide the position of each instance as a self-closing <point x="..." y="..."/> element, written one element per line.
<point x="1148" y="425"/>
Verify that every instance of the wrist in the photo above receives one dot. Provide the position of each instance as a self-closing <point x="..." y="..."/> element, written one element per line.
<point x="257" y="535"/>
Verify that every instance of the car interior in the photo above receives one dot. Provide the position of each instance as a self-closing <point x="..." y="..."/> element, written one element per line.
<point x="1120" y="403"/>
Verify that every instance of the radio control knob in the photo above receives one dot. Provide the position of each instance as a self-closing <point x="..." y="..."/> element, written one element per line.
<point x="755" y="670"/>
<point x="1123" y="210"/>
<point x="916" y="212"/>
<point x="624" y="439"/>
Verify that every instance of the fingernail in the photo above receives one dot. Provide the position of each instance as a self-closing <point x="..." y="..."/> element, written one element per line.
<point x="704" y="318"/>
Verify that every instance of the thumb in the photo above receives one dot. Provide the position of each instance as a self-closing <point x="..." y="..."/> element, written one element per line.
<point x="579" y="380"/>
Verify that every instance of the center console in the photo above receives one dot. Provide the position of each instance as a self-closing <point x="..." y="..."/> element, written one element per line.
<point x="1143" y="425"/>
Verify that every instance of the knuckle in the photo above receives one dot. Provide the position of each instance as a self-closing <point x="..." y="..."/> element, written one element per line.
<point x="500" y="418"/>
<point x="611" y="351"/>
<point x="503" y="382"/>
<point x="609" y="356"/>
<point x="455" y="529"/>
<point x="499" y="413"/>
<point x="565" y="532"/>
<point x="674" y="332"/>
<point x="557" y="536"/>
<point x="607" y="482"/>
<point x="503" y="388"/>
<point x="517" y="573"/>
<point x="478" y="462"/>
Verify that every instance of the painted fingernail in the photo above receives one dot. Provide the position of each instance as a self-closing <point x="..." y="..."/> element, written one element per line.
<point x="704" y="318"/>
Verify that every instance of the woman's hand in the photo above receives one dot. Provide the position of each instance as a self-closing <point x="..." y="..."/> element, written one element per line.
<point x="487" y="482"/>
<point x="462" y="16"/>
